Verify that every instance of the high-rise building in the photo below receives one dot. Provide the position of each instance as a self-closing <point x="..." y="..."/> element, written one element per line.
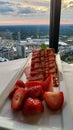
<point x="0" y="40"/>
<point x="19" y="37"/>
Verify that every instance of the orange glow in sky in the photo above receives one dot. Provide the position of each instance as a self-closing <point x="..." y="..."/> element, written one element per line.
<point x="25" y="22"/>
<point x="19" y="22"/>
<point x="66" y="22"/>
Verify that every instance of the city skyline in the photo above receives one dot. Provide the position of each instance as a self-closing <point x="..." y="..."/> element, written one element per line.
<point x="32" y="12"/>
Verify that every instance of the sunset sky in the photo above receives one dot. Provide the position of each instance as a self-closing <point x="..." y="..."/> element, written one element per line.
<point x="13" y="12"/>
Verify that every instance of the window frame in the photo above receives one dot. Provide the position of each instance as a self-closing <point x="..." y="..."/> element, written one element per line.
<point x="55" y="10"/>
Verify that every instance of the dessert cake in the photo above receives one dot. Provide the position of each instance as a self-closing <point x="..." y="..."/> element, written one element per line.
<point x="43" y="62"/>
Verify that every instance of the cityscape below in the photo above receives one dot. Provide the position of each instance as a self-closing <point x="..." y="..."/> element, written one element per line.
<point x="18" y="41"/>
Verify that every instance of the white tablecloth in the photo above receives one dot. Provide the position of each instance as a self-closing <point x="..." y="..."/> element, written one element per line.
<point x="68" y="77"/>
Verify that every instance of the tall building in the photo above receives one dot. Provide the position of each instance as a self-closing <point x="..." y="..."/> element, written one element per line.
<point x="0" y="40"/>
<point x="21" y="50"/>
<point x="19" y="37"/>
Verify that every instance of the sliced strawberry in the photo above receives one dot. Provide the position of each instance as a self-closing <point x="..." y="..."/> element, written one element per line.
<point x="34" y="91"/>
<point x="33" y="106"/>
<point x="18" y="98"/>
<point x="20" y="83"/>
<point x="48" y="83"/>
<point x="12" y="92"/>
<point x="41" y="95"/>
<point x="32" y="83"/>
<point x="54" y="100"/>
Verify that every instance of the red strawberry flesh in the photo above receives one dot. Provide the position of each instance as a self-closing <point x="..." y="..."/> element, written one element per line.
<point x="20" y="83"/>
<point x="32" y="83"/>
<point x="54" y="100"/>
<point x="34" y="91"/>
<point x="18" y="98"/>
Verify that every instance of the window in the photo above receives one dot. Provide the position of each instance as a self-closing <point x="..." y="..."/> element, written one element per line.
<point x="66" y="31"/>
<point x="55" y="10"/>
<point x="24" y="24"/>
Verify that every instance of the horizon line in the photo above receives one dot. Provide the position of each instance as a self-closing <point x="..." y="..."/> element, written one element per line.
<point x="31" y="24"/>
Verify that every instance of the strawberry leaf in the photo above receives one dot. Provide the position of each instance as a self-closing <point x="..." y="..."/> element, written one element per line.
<point x="43" y="46"/>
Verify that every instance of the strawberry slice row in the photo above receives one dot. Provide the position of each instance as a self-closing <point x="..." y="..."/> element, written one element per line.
<point x="26" y="97"/>
<point x="29" y="96"/>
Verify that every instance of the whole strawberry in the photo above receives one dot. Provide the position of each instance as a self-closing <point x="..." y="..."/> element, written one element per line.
<point x="34" y="91"/>
<point x="33" y="106"/>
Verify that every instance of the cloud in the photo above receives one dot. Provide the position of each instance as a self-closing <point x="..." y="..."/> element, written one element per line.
<point x="67" y="11"/>
<point x="27" y="10"/>
<point x="4" y="11"/>
<point x="3" y="3"/>
<point x="67" y="6"/>
<point x="23" y="7"/>
<point x="71" y="4"/>
<point x="6" y="7"/>
<point x="43" y="3"/>
<point x="31" y="11"/>
<point x="33" y="8"/>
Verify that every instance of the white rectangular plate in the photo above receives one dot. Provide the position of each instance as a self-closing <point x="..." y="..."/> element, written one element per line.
<point x="48" y="120"/>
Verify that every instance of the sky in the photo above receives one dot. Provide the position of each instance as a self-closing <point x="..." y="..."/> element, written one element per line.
<point x="15" y="12"/>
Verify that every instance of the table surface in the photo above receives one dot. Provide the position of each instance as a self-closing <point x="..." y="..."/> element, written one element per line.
<point x="68" y="77"/>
